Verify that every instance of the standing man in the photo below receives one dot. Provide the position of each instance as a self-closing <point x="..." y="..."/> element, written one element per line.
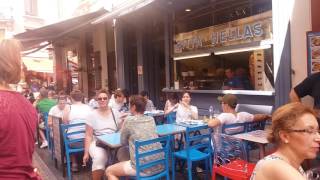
<point x="309" y="86"/>
<point x="232" y="82"/>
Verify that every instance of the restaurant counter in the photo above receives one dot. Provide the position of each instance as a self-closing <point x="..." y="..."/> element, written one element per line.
<point x="203" y="99"/>
<point x="235" y="92"/>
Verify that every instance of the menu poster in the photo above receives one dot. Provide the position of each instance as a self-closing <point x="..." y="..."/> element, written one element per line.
<point x="313" y="48"/>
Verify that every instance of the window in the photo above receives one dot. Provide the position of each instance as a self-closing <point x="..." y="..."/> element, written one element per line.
<point x="31" y="7"/>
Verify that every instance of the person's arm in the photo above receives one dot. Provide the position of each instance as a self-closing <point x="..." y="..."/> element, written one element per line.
<point x="125" y="133"/>
<point x="194" y="112"/>
<point x="87" y="141"/>
<point x="214" y="122"/>
<point x="168" y="110"/>
<point x="65" y="117"/>
<point x="261" y="117"/>
<point x="293" y="96"/>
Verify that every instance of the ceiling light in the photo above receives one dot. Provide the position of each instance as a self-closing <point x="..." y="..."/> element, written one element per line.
<point x="191" y="56"/>
<point x="188" y="10"/>
<point x="244" y="49"/>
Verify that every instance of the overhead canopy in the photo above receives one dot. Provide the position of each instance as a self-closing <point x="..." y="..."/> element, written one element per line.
<point x="126" y="8"/>
<point x="33" y="38"/>
<point x="38" y="64"/>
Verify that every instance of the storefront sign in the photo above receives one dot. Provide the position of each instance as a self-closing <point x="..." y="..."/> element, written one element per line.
<point x="254" y="28"/>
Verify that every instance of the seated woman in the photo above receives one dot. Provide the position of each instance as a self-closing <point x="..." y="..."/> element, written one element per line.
<point x="172" y="103"/>
<point x="100" y="121"/>
<point x="119" y="101"/>
<point x="136" y="127"/>
<point x="185" y="111"/>
<point x="295" y="131"/>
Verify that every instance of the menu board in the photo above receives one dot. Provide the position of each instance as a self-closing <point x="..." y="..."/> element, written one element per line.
<point x="313" y="48"/>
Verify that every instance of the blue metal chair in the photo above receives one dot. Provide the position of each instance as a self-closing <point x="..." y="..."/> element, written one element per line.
<point x="171" y="117"/>
<point x="68" y="143"/>
<point x="198" y="148"/>
<point x="163" y="152"/>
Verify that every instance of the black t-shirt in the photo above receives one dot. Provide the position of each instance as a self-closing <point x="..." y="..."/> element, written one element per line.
<point x="310" y="86"/>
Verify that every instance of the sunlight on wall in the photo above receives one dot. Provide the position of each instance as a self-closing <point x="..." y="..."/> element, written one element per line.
<point x="282" y="12"/>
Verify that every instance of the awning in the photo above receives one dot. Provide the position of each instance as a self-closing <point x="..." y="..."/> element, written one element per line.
<point x="38" y="64"/>
<point x="31" y="39"/>
<point x="128" y="7"/>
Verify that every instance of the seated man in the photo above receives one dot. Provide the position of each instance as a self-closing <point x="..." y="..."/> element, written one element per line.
<point x="149" y="105"/>
<point x="230" y="116"/>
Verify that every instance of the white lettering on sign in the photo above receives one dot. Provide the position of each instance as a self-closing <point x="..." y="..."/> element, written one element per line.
<point x="246" y="30"/>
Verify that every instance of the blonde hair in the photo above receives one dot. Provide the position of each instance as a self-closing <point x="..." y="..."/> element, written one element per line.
<point x="10" y="61"/>
<point x="285" y="117"/>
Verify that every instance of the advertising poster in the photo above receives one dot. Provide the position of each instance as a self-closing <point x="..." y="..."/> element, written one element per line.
<point x="313" y="48"/>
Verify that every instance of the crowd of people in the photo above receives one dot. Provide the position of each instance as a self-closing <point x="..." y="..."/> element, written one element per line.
<point x="294" y="129"/>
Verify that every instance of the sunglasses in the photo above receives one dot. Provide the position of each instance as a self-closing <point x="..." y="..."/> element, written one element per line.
<point x="102" y="98"/>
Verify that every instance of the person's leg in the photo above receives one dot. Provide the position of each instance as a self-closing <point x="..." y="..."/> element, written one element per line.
<point x="44" y="142"/>
<point x="99" y="158"/>
<point x="74" y="162"/>
<point x="97" y="174"/>
<point x="123" y="154"/>
<point x="120" y="169"/>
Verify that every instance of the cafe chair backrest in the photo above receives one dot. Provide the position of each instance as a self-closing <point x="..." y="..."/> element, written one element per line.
<point x="230" y="159"/>
<point x="152" y="158"/>
<point x="171" y="117"/>
<point x="235" y="128"/>
<point x="198" y="137"/>
<point x="74" y="144"/>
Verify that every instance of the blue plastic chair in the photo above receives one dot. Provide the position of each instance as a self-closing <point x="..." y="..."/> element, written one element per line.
<point x="164" y="161"/>
<point x="171" y="117"/>
<point x="48" y="131"/>
<point x="198" y="148"/>
<point x="68" y="142"/>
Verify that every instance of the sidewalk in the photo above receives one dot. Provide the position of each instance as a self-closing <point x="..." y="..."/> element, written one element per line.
<point x="45" y="166"/>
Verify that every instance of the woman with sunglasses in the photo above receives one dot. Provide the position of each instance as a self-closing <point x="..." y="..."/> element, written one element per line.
<point x="295" y="132"/>
<point x="103" y="120"/>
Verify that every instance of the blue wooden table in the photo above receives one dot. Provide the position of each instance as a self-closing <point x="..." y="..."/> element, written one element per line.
<point x="113" y="140"/>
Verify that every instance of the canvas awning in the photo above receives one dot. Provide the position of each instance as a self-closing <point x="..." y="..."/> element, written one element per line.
<point x="127" y="8"/>
<point x="38" y="64"/>
<point x="33" y="38"/>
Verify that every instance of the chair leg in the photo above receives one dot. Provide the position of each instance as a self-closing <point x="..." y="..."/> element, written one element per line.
<point x="173" y="168"/>
<point x="68" y="166"/>
<point x="189" y="169"/>
<point x="207" y="168"/>
<point x="213" y="175"/>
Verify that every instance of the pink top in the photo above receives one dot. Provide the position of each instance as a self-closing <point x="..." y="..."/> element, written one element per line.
<point x="18" y="120"/>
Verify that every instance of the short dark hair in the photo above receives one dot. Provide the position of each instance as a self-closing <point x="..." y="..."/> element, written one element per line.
<point x="118" y="93"/>
<point x="139" y="102"/>
<point x="76" y="95"/>
<point x="185" y="92"/>
<point x="43" y="92"/>
<point x="144" y="93"/>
